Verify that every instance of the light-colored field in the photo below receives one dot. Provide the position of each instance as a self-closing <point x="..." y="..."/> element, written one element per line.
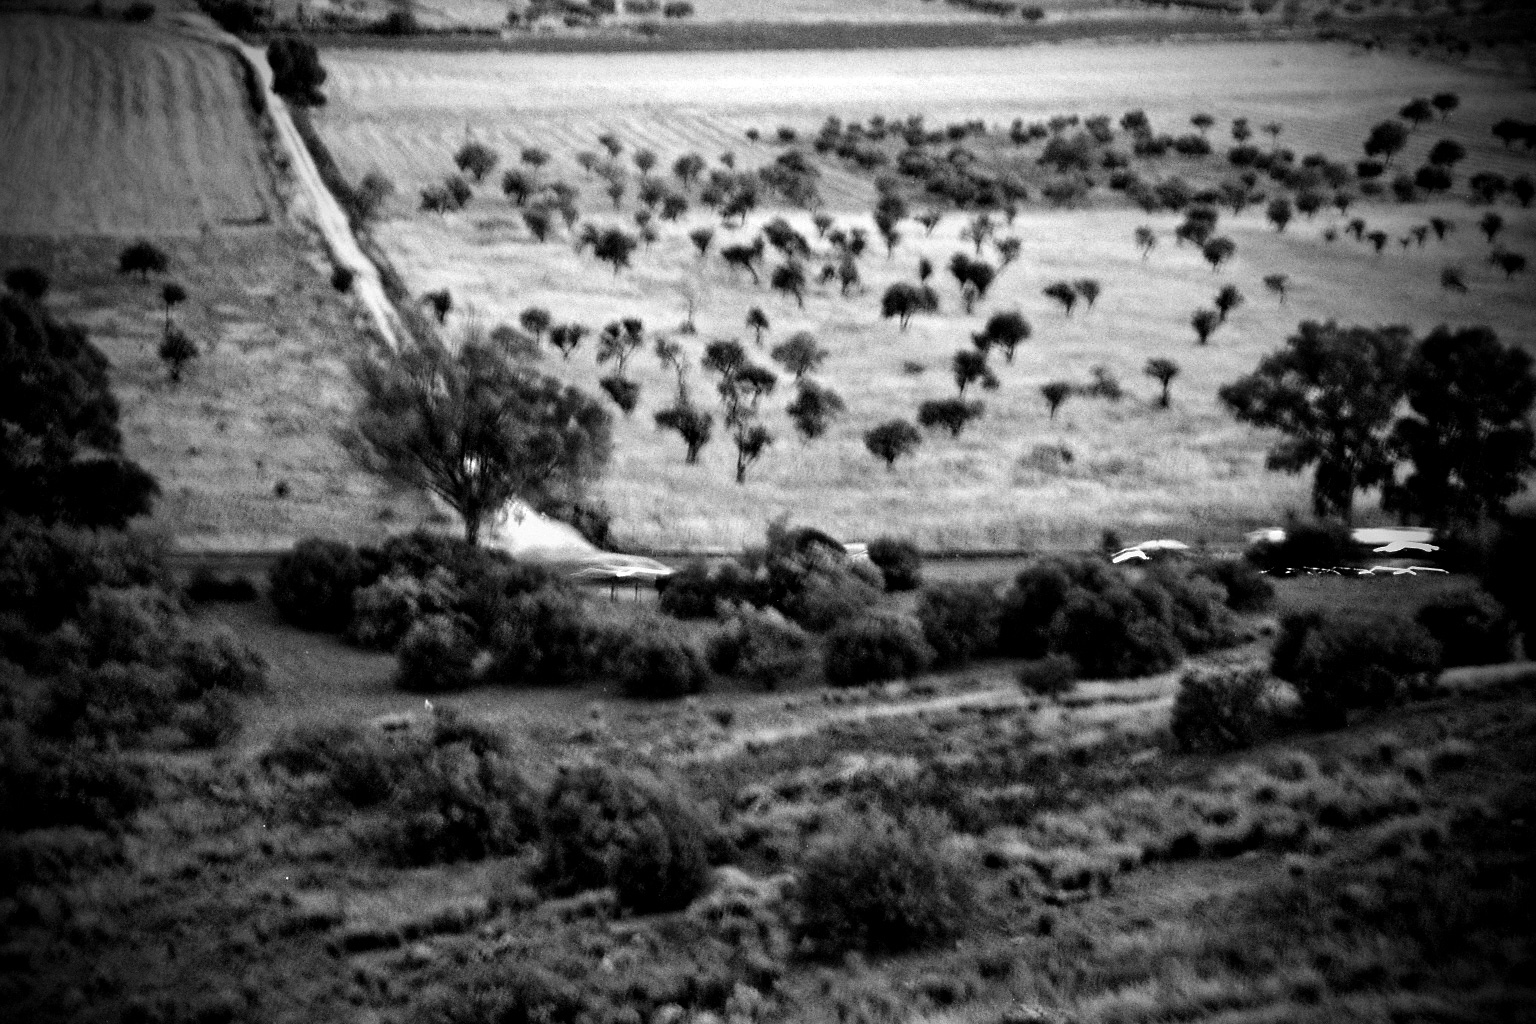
<point x="259" y="407"/>
<point x="117" y="129"/>
<point x="1136" y="468"/>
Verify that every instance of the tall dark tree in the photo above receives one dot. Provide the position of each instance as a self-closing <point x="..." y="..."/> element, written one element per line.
<point x="142" y="258"/>
<point x="476" y="159"/>
<point x="1006" y="329"/>
<point x="477" y="431"/>
<point x="1332" y="392"/>
<point x="693" y="425"/>
<point x="1468" y="436"/>
<point x="1056" y="393"/>
<point x="177" y="349"/>
<point x="951" y="414"/>
<point x="970" y="367"/>
<point x="615" y="246"/>
<point x="296" y="71"/>
<point x="789" y="278"/>
<point x="1386" y="139"/>
<point x="1063" y="293"/>
<point x="1228" y="299"/>
<point x="1163" y="371"/>
<point x="172" y="295"/>
<point x="800" y="354"/>
<point x="814" y="408"/>
<point x="1204" y="321"/>
<point x="904" y="300"/>
<point x="742" y="387"/>
<point x="60" y="447"/>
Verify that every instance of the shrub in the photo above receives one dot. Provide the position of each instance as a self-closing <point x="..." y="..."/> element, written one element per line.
<point x="48" y="785"/>
<point x="1470" y="627"/>
<point x="959" y="621"/>
<point x="457" y="796"/>
<point x="361" y="766"/>
<point x="217" y="660"/>
<point x="823" y="594"/>
<point x="697" y="591"/>
<point x="1031" y="603"/>
<point x="1338" y="667"/>
<point x="211" y="722"/>
<point x="899" y="563"/>
<point x="605" y="827"/>
<point x="312" y="585"/>
<point x="383" y="612"/>
<point x="114" y="702"/>
<point x="1219" y="709"/>
<point x="48" y="573"/>
<point x="129" y="625"/>
<point x="436" y="656"/>
<point x="543" y="640"/>
<point x="874" y="648"/>
<point x="649" y="661"/>
<point x="1050" y="676"/>
<point x="882" y="887"/>
<point x="1192" y="606"/>
<point x="342" y="278"/>
<point x="1247" y="589"/>
<point x="762" y="648"/>
<point x="1110" y="635"/>
<point x="1322" y="545"/>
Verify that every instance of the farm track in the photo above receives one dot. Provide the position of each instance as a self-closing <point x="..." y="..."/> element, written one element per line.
<point x="123" y="130"/>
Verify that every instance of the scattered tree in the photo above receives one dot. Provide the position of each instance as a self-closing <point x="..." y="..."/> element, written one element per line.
<point x="172" y="295"/>
<point x="518" y="185"/>
<point x="1417" y="111"/>
<point x="1228" y="299"/>
<point x="1218" y="251"/>
<point x="757" y="323"/>
<point x="1006" y="329"/>
<point x="1055" y="394"/>
<point x="814" y="408"/>
<point x="1063" y="293"/>
<point x="789" y="278"/>
<point x="1447" y="153"/>
<point x="1511" y="263"/>
<point x="567" y="338"/>
<point x="903" y="301"/>
<point x="701" y="237"/>
<point x="1491" y="225"/>
<point x="1445" y="103"/>
<point x="176" y="350"/>
<point x="1146" y="240"/>
<point x="440" y="302"/>
<point x="1163" y="371"/>
<point x="1204" y="321"/>
<point x="951" y="414"/>
<point x="970" y="367"/>
<point x="744" y="256"/>
<point x="799" y="354"/>
<point x="296" y="71"/>
<point x="1278" y="213"/>
<point x="476" y="159"/>
<point x="694" y="426"/>
<point x="891" y="440"/>
<point x="688" y="167"/>
<point x="535" y="320"/>
<point x="1089" y="289"/>
<point x="615" y="246"/>
<point x="1452" y="281"/>
<point x="142" y="258"/>
<point x="1386" y="139"/>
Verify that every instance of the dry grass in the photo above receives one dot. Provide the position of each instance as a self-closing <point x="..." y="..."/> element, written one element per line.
<point x="120" y="129"/>
<point x="1136" y="468"/>
<point x="259" y="407"/>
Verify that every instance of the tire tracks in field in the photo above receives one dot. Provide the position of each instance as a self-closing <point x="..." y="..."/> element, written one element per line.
<point x="326" y="213"/>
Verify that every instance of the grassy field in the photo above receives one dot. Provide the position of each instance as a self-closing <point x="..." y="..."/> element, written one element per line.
<point x="115" y="129"/>
<point x="257" y="411"/>
<point x="1190" y="471"/>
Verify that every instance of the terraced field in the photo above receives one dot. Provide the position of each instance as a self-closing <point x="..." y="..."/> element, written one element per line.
<point x="120" y="129"/>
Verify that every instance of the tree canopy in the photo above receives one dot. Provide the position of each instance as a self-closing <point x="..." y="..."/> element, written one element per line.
<point x="1331" y="391"/>
<point x="478" y="431"/>
<point x="60" y="448"/>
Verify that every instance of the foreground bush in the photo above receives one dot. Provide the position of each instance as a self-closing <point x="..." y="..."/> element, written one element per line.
<point x="700" y="591"/>
<point x="1319" y="545"/>
<point x="1220" y="709"/>
<point x="311" y="586"/>
<point x="384" y="611"/>
<point x="1247" y="589"/>
<point x="1050" y="676"/>
<point x="648" y="660"/>
<point x="899" y="563"/>
<point x="436" y="656"/>
<point x="47" y="573"/>
<point x="1340" y="667"/>
<point x="878" y="886"/>
<point x="959" y="621"/>
<point x="763" y="648"/>
<point x="605" y="827"/>
<point x="1471" y="629"/>
<point x="45" y="784"/>
<point x="543" y="640"/>
<point x="875" y="648"/>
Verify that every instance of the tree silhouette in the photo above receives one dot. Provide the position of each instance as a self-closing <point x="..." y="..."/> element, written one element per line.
<point x="1511" y="263"/>
<point x="1163" y="371"/>
<point x="1468" y="436"/>
<point x="799" y="354"/>
<point x="701" y="237"/>
<point x="688" y="167"/>
<point x="1055" y="394"/>
<point x="1445" y="102"/>
<point x="1146" y="240"/>
<point x="1063" y="293"/>
<point x="1277" y="283"/>
<point x="790" y="279"/>
<point x="1228" y="299"/>
<point x="142" y="258"/>
<point x="476" y="159"/>
<point x="1386" y="139"/>
<point x="1089" y="289"/>
<point x="903" y="301"/>
<point x="814" y="408"/>
<point x="1278" y="213"/>
<point x="891" y="440"/>
<point x="1452" y="281"/>
<point x="1491" y="225"/>
<point x="970" y="367"/>
<point x="744" y="256"/>
<point x="1417" y="111"/>
<point x="618" y="340"/>
<point x="172" y="295"/>
<point x="440" y="302"/>
<point x="693" y="425"/>
<point x="177" y="349"/>
<point x="535" y="320"/>
<point x="567" y="338"/>
<point x="757" y="323"/>
<point x="1218" y="251"/>
<point x="477" y="431"/>
<point x="28" y="282"/>
<point x="615" y="246"/>
<point x="624" y="392"/>
<point x="518" y="185"/>
<point x="1006" y="329"/>
<point x="1204" y="321"/>
<point x="1332" y="392"/>
<point x="951" y="414"/>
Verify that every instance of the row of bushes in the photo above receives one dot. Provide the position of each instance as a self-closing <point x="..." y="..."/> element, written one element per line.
<point x="454" y="792"/>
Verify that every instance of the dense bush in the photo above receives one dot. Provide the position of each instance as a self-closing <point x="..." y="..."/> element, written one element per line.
<point x="216" y="659"/>
<point x="312" y="585"/>
<point x="1050" y="676"/>
<point x="899" y="563"/>
<point x="959" y="621"/>
<point x="1342" y="666"/>
<point x="1470" y="627"/>
<point x="763" y="648"/>
<point x="698" y="590"/>
<point x="1247" y="589"/>
<point x="1110" y="635"/>
<point x="129" y="625"/>
<point x="1322" y="545"/>
<point x="882" y="887"/>
<point x="48" y="785"/>
<point x="543" y="640"/>
<point x="436" y="656"/>
<point x="648" y="660"/>
<point x="48" y="573"/>
<point x="605" y="827"/>
<point x="212" y="721"/>
<point x="113" y="703"/>
<point x="873" y="648"/>
<point x="384" y="611"/>
<point x="819" y="592"/>
<point x="1219" y="709"/>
